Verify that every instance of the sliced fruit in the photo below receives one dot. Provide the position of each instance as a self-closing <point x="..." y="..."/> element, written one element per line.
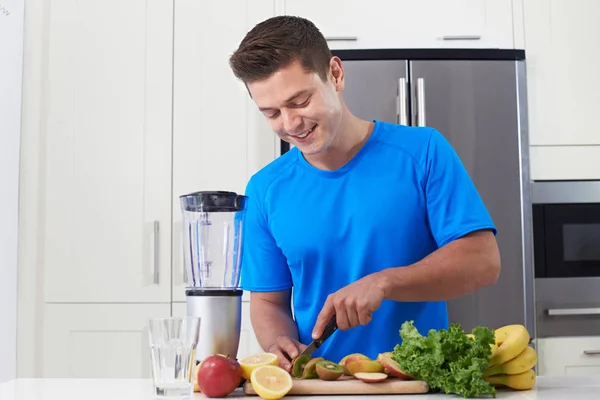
<point x="353" y="356"/>
<point x="310" y="369"/>
<point x="392" y="367"/>
<point x="329" y="371"/>
<point x="298" y="365"/>
<point x="356" y="366"/>
<point x="371" y="377"/>
<point x="249" y="363"/>
<point x="271" y="382"/>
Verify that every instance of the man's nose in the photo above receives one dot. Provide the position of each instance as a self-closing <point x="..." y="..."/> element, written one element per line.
<point x="291" y="121"/>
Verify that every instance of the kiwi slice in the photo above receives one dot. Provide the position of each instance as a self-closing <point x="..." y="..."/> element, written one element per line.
<point x="298" y="365"/>
<point x="310" y="369"/>
<point x="329" y="371"/>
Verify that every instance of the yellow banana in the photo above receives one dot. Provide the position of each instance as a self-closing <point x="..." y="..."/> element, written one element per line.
<point x="521" y="363"/>
<point x="523" y="381"/>
<point x="511" y="341"/>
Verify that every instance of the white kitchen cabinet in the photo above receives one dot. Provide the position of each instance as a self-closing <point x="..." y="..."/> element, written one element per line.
<point x="219" y="137"/>
<point x="248" y="342"/>
<point x="561" y="38"/>
<point x="564" y="162"/>
<point x="349" y="24"/>
<point x="97" y="340"/>
<point x="569" y="356"/>
<point x="105" y="142"/>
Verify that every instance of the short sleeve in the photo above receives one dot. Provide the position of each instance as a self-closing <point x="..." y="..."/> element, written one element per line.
<point x="263" y="266"/>
<point x="454" y="205"/>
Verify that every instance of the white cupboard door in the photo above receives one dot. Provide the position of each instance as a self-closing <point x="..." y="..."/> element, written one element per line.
<point x="569" y="356"/>
<point x="348" y="24"/>
<point x="561" y="38"/>
<point x="106" y="179"/>
<point x="248" y="343"/>
<point x="98" y="340"/>
<point x="215" y="122"/>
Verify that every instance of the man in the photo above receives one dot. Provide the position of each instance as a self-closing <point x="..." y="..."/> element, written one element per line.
<point x="369" y="222"/>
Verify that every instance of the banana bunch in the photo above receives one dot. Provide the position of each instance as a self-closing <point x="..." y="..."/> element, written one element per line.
<point x="512" y="359"/>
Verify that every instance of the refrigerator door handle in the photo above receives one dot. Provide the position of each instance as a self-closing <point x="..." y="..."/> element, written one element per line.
<point x="401" y="114"/>
<point x="421" y="117"/>
<point x="574" y="311"/>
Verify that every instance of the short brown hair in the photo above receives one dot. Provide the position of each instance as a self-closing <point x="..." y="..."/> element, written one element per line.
<point x="277" y="42"/>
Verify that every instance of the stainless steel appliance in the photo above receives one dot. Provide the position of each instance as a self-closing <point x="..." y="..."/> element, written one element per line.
<point x="566" y="231"/>
<point x="477" y="100"/>
<point x="212" y="232"/>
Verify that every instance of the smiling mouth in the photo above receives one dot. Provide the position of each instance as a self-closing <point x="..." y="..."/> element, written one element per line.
<point x="305" y="134"/>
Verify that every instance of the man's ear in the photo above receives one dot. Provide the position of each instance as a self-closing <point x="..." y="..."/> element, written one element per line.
<point x="336" y="73"/>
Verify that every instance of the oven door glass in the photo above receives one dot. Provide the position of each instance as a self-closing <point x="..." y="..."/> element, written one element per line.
<point x="570" y="240"/>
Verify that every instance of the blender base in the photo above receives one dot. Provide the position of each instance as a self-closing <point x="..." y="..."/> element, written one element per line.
<point x="220" y="313"/>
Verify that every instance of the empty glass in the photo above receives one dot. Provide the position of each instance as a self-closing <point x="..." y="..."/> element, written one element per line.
<point x="173" y="343"/>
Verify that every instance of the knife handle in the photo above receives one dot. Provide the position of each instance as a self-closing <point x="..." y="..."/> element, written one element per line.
<point x="329" y="329"/>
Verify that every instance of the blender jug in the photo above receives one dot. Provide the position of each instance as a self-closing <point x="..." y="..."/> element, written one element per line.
<point x="212" y="245"/>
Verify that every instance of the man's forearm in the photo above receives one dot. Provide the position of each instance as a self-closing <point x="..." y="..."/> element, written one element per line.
<point x="270" y="321"/>
<point x="459" y="268"/>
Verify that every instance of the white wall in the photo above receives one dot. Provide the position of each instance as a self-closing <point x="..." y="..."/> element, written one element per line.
<point x="11" y="54"/>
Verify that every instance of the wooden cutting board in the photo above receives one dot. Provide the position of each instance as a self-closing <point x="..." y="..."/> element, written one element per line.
<point x="350" y="385"/>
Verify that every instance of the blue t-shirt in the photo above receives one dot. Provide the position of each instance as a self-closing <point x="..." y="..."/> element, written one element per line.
<point x="404" y="194"/>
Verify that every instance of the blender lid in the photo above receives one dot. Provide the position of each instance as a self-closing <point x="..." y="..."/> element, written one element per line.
<point x="213" y="201"/>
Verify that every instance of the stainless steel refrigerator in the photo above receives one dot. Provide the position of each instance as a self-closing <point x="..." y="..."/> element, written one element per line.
<point x="477" y="100"/>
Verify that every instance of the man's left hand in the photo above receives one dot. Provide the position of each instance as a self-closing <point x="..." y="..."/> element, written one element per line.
<point x="352" y="305"/>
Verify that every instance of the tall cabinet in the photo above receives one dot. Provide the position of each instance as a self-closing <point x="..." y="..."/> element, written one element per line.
<point x="132" y="105"/>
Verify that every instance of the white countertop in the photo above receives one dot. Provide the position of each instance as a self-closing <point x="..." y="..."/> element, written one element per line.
<point x="547" y="388"/>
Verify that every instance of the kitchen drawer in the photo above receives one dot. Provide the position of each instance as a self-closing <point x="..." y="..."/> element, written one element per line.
<point x="569" y="356"/>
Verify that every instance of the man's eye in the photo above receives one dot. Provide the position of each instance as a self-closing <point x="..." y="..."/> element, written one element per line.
<point x="272" y="115"/>
<point x="302" y="104"/>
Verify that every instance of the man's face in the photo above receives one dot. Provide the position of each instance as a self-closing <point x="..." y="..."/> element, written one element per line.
<point x="302" y="109"/>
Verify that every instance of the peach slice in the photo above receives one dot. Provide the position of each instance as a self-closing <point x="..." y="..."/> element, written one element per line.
<point x="357" y="366"/>
<point x="370" y="377"/>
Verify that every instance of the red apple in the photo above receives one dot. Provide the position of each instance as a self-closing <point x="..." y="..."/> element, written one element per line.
<point x="219" y="375"/>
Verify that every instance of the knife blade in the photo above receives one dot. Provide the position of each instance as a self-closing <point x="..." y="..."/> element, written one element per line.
<point x="327" y="332"/>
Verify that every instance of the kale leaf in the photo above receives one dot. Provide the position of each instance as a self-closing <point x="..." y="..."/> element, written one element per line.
<point x="448" y="360"/>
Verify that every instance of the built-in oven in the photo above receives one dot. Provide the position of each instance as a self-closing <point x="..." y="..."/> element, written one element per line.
<point x="566" y="243"/>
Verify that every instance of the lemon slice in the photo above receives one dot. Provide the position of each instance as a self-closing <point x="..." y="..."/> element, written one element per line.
<point x="249" y="363"/>
<point x="271" y="382"/>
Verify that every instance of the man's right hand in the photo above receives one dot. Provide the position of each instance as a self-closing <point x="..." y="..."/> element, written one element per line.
<point x="286" y="350"/>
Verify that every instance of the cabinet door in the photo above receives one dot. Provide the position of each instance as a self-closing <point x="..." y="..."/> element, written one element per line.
<point x="220" y="138"/>
<point x="98" y="340"/>
<point x="106" y="161"/>
<point x="563" y="71"/>
<point x="569" y="356"/>
<point x="408" y="23"/>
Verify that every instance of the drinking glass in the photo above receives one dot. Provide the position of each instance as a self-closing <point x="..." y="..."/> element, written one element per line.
<point x="173" y="343"/>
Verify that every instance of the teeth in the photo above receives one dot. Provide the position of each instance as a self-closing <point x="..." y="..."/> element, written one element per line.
<point x="306" y="134"/>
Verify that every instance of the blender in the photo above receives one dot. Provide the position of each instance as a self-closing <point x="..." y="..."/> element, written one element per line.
<point x="212" y="245"/>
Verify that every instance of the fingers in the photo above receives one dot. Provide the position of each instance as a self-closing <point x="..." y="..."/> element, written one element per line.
<point x="327" y="312"/>
<point x="288" y="346"/>
<point x="281" y="359"/>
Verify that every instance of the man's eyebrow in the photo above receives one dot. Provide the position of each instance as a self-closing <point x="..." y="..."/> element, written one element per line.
<point x="292" y="97"/>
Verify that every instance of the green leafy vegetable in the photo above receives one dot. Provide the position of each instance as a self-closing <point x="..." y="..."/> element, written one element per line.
<point x="447" y="360"/>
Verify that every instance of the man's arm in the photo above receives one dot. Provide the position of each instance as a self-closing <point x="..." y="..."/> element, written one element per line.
<point x="274" y="326"/>
<point x="459" y="268"/>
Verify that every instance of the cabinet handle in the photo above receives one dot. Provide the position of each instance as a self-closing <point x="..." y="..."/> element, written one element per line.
<point x="461" y="37"/>
<point x="574" y="311"/>
<point x="421" y="102"/>
<point x="341" y="38"/>
<point x="591" y="352"/>
<point x="401" y="102"/>
<point x="156" y="252"/>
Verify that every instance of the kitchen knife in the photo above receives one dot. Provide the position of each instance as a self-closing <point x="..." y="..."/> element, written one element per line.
<point x="328" y="331"/>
